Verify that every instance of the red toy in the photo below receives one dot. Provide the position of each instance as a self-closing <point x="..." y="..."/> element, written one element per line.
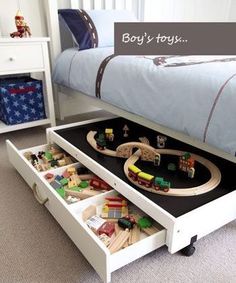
<point x="107" y="228"/>
<point x="99" y="184"/>
<point x="49" y="176"/>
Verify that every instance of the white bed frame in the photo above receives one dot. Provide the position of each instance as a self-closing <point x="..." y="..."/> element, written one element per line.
<point x="69" y="102"/>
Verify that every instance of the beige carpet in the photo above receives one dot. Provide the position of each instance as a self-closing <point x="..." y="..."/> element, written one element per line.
<point x="34" y="248"/>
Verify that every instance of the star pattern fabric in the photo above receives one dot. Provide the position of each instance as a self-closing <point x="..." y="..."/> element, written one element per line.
<point x="21" y="101"/>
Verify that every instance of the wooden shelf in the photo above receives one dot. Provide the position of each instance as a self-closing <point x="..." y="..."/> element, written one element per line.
<point x="6" y="128"/>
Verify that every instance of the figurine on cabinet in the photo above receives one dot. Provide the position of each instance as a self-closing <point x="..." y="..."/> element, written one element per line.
<point x="23" y="30"/>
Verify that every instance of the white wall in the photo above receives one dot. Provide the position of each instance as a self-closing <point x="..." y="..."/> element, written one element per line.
<point x="188" y="10"/>
<point x="232" y="13"/>
<point x="166" y="10"/>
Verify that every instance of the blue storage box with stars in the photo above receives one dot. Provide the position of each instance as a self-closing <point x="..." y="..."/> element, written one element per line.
<point x="21" y="100"/>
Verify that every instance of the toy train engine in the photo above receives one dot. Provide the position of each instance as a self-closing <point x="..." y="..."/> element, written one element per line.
<point x="186" y="164"/>
<point x="101" y="142"/>
<point x="161" y="184"/>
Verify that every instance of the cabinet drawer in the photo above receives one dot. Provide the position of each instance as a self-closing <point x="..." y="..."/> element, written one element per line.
<point x="70" y="218"/>
<point x="21" y="57"/>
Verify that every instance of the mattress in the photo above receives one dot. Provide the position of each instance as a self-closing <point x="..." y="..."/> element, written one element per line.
<point x="195" y="95"/>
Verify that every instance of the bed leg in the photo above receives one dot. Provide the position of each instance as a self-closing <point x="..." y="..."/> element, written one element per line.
<point x="59" y="101"/>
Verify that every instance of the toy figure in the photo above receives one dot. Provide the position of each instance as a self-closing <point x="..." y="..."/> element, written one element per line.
<point x="23" y="29"/>
<point x="157" y="160"/>
<point x="109" y="134"/>
<point x="125" y="130"/>
<point x="161" y="141"/>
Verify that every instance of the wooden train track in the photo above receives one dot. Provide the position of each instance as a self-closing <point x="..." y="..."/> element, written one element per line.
<point x="211" y="184"/>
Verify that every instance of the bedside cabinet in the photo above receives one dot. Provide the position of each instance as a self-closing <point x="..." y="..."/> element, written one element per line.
<point x="28" y="55"/>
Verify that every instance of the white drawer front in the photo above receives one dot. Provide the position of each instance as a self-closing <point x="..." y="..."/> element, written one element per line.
<point x="21" y="57"/>
<point x="99" y="256"/>
<point x="70" y="218"/>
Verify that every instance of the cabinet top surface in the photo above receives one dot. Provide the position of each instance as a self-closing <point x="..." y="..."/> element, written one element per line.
<point x="23" y="40"/>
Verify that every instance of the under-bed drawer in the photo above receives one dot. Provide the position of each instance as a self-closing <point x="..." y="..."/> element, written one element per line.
<point x="98" y="254"/>
<point x="70" y="218"/>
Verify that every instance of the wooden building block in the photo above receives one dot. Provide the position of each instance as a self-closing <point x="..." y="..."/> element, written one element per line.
<point x="76" y="179"/>
<point x="72" y="184"/>
<point x="117" y="229"/>
<point x="68" y="160"/>
<point x="76" y="194"/>
<point x="57" y="156"/>
<point x="86" y="177"/>
<point x="66" y="174"/>
<point x="89" y="212"/>
<point x="134" y="235"/>
<point x="150" y="231"/>
<point x="61" y="162"/>
<point x="28" y="154"/>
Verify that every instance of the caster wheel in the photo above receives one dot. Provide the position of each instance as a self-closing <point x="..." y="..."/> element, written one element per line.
<point x="188" y="251"/>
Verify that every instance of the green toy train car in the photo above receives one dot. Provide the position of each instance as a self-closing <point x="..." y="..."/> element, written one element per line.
<point x="161" y="184"/>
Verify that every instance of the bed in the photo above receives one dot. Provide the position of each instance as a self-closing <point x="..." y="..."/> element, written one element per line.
<point x="189" y="98"/>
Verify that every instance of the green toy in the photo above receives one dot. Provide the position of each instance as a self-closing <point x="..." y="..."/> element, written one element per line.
<point x="64" y="181"/>
<point x="171" y="167"/>
<point x="83" y="184"/>
<point x="76" y="189"/>
<point x="61" y="192"/>
<point x="145" y="222"/>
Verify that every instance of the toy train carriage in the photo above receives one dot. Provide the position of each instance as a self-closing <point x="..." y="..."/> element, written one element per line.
<point x="145" y="179"/>
<point x="161" y="184"/>
<point x="99" y="184"/>
<point x="133" y="172"/>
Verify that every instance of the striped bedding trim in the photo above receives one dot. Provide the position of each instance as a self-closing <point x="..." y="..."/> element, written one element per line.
<point x="91" y="28"/>
<point x="100" y="74"/>
<point x="220" y="92"/>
